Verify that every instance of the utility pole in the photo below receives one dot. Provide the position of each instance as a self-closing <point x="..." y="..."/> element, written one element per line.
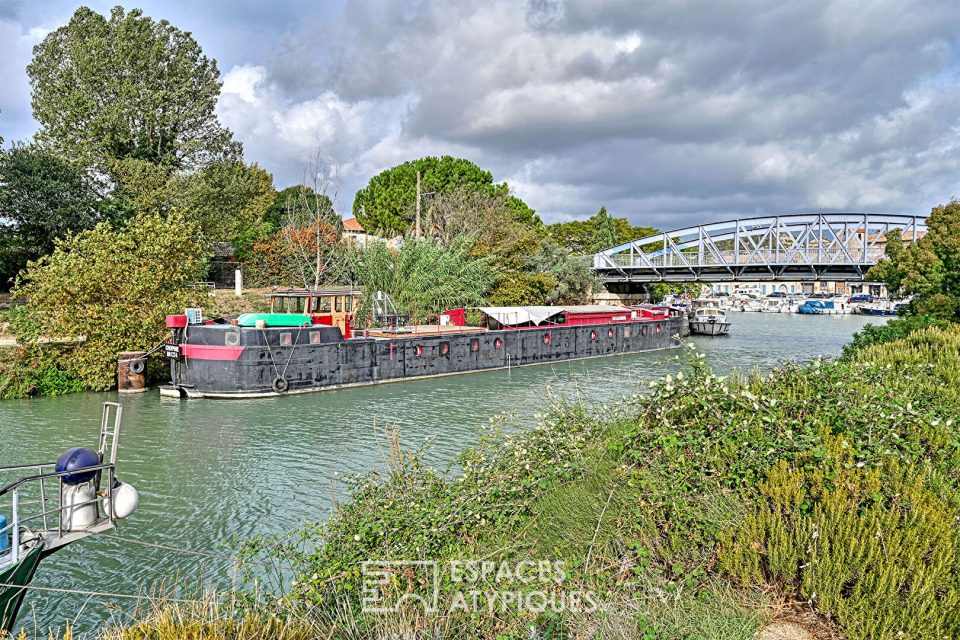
<point x="416" y="228"/>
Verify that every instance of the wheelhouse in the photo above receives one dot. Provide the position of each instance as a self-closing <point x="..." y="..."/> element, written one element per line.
<point x="332" y="307"/>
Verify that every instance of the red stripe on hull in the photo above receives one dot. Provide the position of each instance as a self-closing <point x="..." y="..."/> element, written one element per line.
<point x="209" y="352"/>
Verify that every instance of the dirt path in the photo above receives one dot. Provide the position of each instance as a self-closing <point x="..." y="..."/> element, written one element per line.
<point x="784" y="631"/>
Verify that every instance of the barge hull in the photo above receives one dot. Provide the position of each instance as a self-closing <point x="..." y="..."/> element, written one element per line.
<point x="313" y="359"/>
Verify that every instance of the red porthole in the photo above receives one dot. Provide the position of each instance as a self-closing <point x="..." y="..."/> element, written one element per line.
<point x="610" y="333"/>
<point x="497" y="343"/>
<point x="658" y="328"/>
<point x="444" y="348"/>
<point x="546" y="338"/>
<point x="418" y="350"/>
<point x="593" y="335"/>
<point x="644" y="331"/>
<point x="626" y="332"/>
<point x="475" y="345"/>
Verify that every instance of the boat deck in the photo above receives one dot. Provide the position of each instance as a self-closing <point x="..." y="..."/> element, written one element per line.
<point x="418" y="330"/>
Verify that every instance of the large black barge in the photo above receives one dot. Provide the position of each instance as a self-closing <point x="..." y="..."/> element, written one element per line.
<point x="224" y="360"/>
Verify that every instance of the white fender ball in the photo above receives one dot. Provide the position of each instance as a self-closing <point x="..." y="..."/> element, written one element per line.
<point x="125" y="499"/>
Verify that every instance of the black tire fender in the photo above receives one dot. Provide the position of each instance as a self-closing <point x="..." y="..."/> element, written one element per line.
<point x="280" y="384"/>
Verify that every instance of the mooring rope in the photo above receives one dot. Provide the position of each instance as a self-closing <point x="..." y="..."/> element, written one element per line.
<point x="204" y="554"/>
<point x="273" y="360"/>
<point x="146" y="354"/>
<point x="292" y="351"/>
<point x="163" y="547"/>
<point x="96" y="594"/>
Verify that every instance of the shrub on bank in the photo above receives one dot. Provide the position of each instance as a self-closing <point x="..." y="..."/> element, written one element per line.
<point x="109" y="290"/>
<point x="35" y="371"/>
<point x="638" y="501"/>
<point x="875" y="548"/>
<point x="895" y="329"/>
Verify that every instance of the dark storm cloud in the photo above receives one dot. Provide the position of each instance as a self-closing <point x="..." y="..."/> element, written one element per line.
<point x="759" y="105"/>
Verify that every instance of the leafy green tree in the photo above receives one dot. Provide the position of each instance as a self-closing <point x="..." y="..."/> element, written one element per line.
<point x="104" y="89"/>
<point x="604" y="232"/>
<point x="113" y="288"/>
<point x="928" y="269"/>
<point x="141" y="187"/>
<point x="573" y="277"/>
<point x="226" y="199"/>
<point x="598" y="232"/>
<point x="296" y="203"/>
<point x="388" y="203"/>
<point x="424" y="277"/>
<point x="42" y="198"/>
<point x="522" y="213"/>
<point x="515" y="288"/>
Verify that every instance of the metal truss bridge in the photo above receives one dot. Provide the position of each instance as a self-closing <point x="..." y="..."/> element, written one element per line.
<point x="816" y="246"/>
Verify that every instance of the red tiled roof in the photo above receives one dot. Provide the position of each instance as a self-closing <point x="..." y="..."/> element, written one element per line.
<point x="351" y="224"/>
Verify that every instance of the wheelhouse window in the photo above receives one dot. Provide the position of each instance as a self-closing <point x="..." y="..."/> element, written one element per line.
<point x="338" y="304"/>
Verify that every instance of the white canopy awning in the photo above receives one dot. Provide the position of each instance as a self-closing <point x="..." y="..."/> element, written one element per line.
<point x="512" y="316"/>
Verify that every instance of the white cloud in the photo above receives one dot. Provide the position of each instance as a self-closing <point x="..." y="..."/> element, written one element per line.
<point x="285" y="134"/>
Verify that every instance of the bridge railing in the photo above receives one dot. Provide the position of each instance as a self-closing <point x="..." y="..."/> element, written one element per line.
<point x="781" y="257"/>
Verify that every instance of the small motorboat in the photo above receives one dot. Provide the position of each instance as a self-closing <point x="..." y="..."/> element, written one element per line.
<point x="838" y="306"/>
<point x="709" y="321"/>
<point x="792" y="305"/>
<point x="772" y="305"/>
<point x="881" y="308"/>
<point x="55" y="504"/>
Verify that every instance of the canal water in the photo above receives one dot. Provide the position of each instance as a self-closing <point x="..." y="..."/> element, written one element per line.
<point x="211" y="472"/>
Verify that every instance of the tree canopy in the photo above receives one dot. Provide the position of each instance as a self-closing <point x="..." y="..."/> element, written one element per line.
<point x="598" y="232"/>
<point x="104" y="89"/>
<point x="295" y="203"/>
<point x="928" y="269"/>
<point x="388" y="203"/>
<point x="226" y="198"/>
<point x="42" y="198"/>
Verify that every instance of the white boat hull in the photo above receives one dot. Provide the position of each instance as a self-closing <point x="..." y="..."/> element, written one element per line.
<point x="706" y="328"/>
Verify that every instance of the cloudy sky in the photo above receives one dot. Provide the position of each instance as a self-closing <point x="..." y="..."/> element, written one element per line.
<point x="667" y="112"/>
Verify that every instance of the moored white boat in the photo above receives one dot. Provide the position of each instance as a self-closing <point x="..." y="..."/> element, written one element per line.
<point x="773" y="305"/>
<point x="709" y="321"/>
